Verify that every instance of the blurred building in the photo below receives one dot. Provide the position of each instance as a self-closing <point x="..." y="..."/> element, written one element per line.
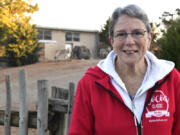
<point x="53" y="40"/>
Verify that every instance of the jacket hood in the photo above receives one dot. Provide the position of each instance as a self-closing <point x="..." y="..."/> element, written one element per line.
<point x="157" y="70"/>
<point x="96" y="72"/>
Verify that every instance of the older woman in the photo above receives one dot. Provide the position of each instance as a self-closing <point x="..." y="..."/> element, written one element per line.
<point x="131" y="92"/>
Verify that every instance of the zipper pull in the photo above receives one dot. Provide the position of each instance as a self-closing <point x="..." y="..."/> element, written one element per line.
<point x="141" y="128"/>
<point x="141" y="125"/>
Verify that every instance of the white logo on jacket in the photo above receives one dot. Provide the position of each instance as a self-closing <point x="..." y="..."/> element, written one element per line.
<point x="158" y="106"/>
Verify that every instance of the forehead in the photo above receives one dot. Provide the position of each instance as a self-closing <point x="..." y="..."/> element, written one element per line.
<point x="128" y="23"/>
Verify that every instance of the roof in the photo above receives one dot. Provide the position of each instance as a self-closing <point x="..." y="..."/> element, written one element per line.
<point x="65" y="29"/>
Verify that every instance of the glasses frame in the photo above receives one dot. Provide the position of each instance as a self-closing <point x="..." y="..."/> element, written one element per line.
<point x="133" y="34"/>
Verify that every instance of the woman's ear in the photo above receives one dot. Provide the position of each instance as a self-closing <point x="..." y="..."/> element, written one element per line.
<point x="150" y="37"/>
<point x="111" y="40"/>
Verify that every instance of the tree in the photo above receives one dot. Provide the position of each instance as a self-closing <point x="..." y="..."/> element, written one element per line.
<point x="104" y="34"/>
<point x="16" y="33"/>
<point x="170" y="40"/>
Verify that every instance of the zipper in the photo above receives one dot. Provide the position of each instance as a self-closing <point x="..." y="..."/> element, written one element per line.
<point x="141" y="128"/>
<point x="135" y="119"/>
<point x="136" y="124"/>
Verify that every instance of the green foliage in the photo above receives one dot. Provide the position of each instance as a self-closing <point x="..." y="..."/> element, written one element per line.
<point x="17" y="34"/>
<point x="104" y="34"/>
<point x="170" y="40"/>
<point x="22" y="47"/>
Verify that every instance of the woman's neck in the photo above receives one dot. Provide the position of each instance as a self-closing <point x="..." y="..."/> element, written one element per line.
<point x="133" y="70"/>
<point x="131" y="75"/>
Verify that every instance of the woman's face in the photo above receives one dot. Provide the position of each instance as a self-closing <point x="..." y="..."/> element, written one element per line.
<point x="131" y="40"/>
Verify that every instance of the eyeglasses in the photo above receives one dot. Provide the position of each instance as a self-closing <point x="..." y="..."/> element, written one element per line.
<point x="136" y="34"/>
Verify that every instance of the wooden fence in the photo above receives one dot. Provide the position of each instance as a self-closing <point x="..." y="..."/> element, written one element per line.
<point x="52" y="115"/>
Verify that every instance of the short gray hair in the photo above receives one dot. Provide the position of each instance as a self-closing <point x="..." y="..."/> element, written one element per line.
<point x="132" y="11"/>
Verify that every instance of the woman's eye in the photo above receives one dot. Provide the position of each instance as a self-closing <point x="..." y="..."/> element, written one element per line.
<point x="137" y="33"/>
<point x="122" y="34"/>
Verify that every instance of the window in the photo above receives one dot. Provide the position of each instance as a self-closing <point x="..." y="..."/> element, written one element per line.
<point x="72" y="36"/>
<point x="44" y="35"/>
<point x="47" y="35"/>
<point x="68" y="36"/>
<point x="40" y="34"/>
<point x="76" y="37"/>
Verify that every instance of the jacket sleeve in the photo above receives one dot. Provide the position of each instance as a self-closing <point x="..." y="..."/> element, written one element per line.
<point x="176" y="126"/>
<point x="82" y="115"/>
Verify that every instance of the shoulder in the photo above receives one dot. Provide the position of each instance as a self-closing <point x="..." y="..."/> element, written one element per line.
<point x="175" y="75"/>
<point x="93" y="74"/>
<point x="87" y="84"/>
<point x="174" y="81"/>
<point x="88" y="81"/>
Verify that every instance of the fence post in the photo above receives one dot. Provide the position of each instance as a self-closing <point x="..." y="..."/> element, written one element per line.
<point x="42" y="110"/>
<point x="23" y="113"/>
<point x="7" y="118"/>
<point x="60" y="116"/>
<point x="70" y="105"/>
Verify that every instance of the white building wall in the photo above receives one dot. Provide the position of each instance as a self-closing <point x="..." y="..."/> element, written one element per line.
<point x="50" y="50"/>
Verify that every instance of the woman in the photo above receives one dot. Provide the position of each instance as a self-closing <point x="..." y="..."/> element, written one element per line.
<point x="131" y="92"/>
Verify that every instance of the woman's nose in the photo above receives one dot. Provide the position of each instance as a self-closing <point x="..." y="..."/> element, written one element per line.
<point x="129" y="39"/>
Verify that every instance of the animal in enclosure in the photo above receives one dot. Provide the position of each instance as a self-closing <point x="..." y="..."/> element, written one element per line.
<point x="63" y="54"/>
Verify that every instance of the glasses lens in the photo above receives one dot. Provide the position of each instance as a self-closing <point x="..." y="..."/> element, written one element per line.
<point x="138" y="33"/>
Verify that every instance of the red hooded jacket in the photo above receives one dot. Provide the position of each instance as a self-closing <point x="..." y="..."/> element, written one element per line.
<point x="99" y="109"/>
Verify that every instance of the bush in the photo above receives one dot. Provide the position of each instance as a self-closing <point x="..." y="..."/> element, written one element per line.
<point x="170" y="44"/>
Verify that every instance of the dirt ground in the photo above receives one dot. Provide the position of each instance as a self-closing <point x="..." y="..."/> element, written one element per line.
<point x="57" y="73"/>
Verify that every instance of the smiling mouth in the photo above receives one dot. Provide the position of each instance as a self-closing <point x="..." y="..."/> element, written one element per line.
<point x="130" y="51"/>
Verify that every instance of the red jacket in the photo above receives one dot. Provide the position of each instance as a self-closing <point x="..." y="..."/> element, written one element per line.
<point x="99" y="109"/>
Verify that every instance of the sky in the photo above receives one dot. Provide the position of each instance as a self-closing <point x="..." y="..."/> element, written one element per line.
<point x="92" y="14"/>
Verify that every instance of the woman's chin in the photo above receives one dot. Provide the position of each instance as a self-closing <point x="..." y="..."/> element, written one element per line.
<point x="130" y="61"/>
